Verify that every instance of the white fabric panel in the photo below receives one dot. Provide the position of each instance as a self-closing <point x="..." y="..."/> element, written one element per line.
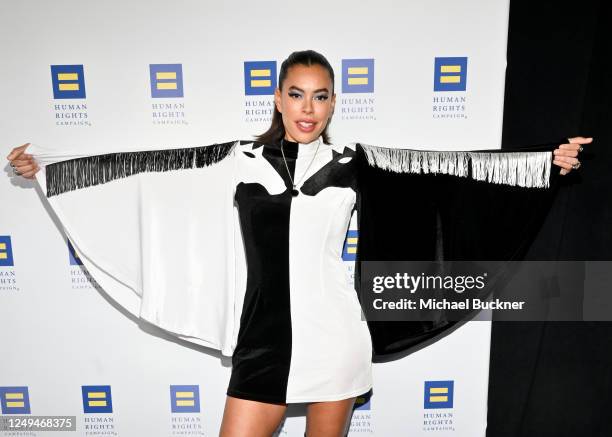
<point x="162" y="244"/>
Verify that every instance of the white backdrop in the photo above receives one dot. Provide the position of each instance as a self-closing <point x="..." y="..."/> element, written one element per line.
<point x="59" y="334"/>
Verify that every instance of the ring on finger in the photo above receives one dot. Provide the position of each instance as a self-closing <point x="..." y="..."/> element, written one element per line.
<point x="16" y="172"/>
<point x="576" y="166"/>
<point x="580" y="149"/>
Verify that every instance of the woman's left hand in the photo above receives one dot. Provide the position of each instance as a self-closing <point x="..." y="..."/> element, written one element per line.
<point x="566" y="155"/>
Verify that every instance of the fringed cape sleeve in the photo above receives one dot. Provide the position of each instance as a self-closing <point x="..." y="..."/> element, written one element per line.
<point x="154" y="229"/>
<point x="427" y="205"/>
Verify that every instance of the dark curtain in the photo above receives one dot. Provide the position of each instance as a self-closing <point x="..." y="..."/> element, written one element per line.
<point x="555" y="378"/>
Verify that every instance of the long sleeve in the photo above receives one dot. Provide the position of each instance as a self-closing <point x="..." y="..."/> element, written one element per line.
<point x="426" y="205"/>
<point x="155" y="231"/>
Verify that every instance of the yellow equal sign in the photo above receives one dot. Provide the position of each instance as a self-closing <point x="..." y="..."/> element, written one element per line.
<point x="357" y="80"/>
<point x="266" y="72"/>
<point x="96" y="395"/>
<point x="14" y="403"/>
<point x="3" y="254"/>
<point x="166" y="75"/>
<point x="68" y="86"/>
<point x="351" y="245"/>
<point x="441" y="394"/>
<point x="185" y="399"/>
<point x="451" y="78"/>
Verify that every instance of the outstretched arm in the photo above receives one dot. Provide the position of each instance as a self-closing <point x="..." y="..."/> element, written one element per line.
<point x="158" y="242"/>
<point x="438" y="205"/>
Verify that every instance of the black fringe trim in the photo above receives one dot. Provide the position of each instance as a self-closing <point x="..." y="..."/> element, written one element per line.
<point x="84" y="172"/>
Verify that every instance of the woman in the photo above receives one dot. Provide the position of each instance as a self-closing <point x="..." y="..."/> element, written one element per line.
<point x="301" y="338"/>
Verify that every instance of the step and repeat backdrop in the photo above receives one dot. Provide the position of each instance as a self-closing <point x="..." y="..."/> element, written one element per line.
<point x="112" y="76"/>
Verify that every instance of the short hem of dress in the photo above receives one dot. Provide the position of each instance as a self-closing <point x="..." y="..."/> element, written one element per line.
<point x="255" y="397"/>
<point x="271" y="400"/>
<point x="332" y="398"/>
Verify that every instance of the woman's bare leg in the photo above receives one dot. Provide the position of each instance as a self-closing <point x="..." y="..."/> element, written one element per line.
<point x="329" y="419"/>
<point x="243" y="418"/>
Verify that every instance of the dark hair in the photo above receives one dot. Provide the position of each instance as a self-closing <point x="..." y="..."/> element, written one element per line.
<point x="276" y="131"/>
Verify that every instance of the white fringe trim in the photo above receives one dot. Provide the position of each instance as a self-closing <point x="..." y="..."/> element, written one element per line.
<point x="523" y="169"/>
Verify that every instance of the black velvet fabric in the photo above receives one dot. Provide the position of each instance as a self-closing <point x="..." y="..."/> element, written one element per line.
<point x="333" y="174"/>
<point x="418" y="217"/>
<point x="260" y="362"/>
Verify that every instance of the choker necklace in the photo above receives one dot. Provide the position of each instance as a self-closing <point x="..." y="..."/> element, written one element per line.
<point x="294" y="191"/>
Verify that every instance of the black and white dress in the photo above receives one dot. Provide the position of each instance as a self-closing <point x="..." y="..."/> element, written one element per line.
<point x="301" y="337"/>
<point x="218" y="250"/>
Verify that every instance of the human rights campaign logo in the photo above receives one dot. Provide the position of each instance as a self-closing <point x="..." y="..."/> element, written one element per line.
<point x="358" y="75"/>
<point x="166" y="80"/>
<point x="349" y="251"/>
<point x="259" y="78"/>
<point x="185" y="398"/>
<point x="439" y="394"/>
<point x="450" y="74"/>
<point x="14" y="400"/>
<point x="74" y="258"/>
<point x="68" y="81"/>
<point x="97" y="399"/>
<point x="6" y="251"/>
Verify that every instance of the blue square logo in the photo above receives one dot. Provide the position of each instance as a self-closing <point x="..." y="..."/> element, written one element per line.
<point x="358" y="75"/>
<point x="68" y="81"/>
<point x="259" y="78"/>
<point x="439" y="394"/>
<point x="6" y="251"/>
<point x="14" y="400"/>
<point x="185" y="398"/>
<point x="97" y="399"/>
<point x="349" y="251"/>
<point x="450" y="74"/>
<point x="166" y="80"/>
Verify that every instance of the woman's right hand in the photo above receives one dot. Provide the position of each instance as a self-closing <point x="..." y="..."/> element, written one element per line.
<point x="23" y="164"/>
